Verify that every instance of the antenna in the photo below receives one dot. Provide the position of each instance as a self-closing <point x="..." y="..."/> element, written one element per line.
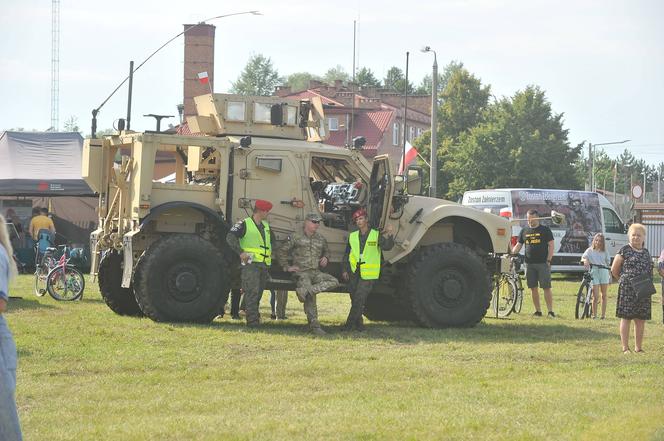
<point x="55" y="65"/>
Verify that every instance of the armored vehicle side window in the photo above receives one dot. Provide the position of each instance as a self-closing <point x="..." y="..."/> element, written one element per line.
<point x="291" y="115"/>
<point x="235" y="111"/>
<point x="262" y="113"/>
<point x="337" y="189"/>
<point x="273" y="164"/>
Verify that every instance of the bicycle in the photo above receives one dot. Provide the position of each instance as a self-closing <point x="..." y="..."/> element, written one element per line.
<point x="584" y="295"/>
<point x="42" y="268"/>
<point x="508" y="290"/>
<point x="63" y="282"/>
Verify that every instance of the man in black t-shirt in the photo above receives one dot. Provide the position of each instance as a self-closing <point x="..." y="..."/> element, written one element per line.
<point x="539" y="252"/>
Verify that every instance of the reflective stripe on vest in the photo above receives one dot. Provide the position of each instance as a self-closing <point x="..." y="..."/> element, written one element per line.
<point x="252" y="242"/>
<point x="369" y="259"/>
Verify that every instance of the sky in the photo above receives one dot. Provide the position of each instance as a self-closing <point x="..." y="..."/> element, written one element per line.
<point x="600" y="63"/>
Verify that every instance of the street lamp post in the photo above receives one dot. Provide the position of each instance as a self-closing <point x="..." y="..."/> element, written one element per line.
<point x="433" y="171"/>
<point x="591" y="157"/>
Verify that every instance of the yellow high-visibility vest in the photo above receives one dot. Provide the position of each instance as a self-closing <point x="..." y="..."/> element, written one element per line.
<point x="252" y="242"/>
<point x="369" y="259"/>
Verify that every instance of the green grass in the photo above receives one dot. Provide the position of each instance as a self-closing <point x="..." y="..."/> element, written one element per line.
<point x="88" y="374"/>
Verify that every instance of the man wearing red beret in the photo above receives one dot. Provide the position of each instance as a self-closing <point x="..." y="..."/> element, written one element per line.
<point x="250" y="239"/>
<point x="362" y="262"/>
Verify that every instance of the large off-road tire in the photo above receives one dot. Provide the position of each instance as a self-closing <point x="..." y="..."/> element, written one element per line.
<point x="120" y="300"/>
<point x="448" y="286"/>
<point x="382" y="307"/>
<point x="181" y="278"/>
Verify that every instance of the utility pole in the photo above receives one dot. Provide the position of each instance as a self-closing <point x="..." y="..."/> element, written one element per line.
<point x="433" y="168"/>
<point x="590" y="166"/>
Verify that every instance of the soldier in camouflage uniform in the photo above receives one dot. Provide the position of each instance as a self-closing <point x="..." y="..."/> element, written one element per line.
<point x="303" y="254"/>
<point x="362" y="262"/>
<point x="250" y="238"/>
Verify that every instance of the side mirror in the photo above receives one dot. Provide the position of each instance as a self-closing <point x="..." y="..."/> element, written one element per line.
<point x="399" y="184"/>
<point x="414" y="180"/>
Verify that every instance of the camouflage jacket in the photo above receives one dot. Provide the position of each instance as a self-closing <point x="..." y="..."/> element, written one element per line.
<point x="303" y="251"/>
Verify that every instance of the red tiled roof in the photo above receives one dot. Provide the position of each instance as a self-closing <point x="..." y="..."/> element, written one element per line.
<point x="372" y="124"/>
<point x="312" y="93"/>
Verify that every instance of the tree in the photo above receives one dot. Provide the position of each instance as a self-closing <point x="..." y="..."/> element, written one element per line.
<point x="71" y="124"/>
<point x="300" y="80"/>
<point x="463" y="103"/>
<point x="336" y="73"/>
<point x="259" y="77"/>
<point x="366" y="78"/>
<point x="519" y="143"/>
<point x="396" y="80"/>
<point x="443" y="78"/>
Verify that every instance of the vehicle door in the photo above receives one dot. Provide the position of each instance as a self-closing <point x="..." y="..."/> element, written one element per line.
<point x="381" y="191"/>
<point x="614" y="231"/>
<point x="329" y="192"/>
<point x="276" y="176"/>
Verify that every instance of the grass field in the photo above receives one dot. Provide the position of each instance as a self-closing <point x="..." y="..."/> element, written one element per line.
<point x="88" y="374"/>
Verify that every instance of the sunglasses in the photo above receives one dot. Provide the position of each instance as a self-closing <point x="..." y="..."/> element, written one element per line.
<point x="314" y="221"/>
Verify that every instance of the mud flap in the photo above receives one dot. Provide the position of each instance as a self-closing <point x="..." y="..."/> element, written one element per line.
<point x="128" y="254"/>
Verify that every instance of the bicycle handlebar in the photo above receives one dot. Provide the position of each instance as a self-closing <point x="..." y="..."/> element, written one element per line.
<point x="598" y="266"/>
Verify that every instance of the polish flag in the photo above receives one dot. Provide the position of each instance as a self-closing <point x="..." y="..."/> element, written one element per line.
<point x="203" y="78"/>
<point x="411" y="153"/>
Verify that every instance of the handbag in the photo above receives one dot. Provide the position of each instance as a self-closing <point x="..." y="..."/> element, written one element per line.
<point x="643" y="286"/>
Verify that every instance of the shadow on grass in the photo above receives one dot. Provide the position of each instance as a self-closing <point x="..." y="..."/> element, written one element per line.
<point x="25" y="304"/>
<point x="410" y="333"/>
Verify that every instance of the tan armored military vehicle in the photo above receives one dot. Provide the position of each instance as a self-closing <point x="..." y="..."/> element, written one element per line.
<point x="160" y="248"/>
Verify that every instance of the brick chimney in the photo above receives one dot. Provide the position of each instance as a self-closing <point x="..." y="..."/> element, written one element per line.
<point x="198" y="57"/>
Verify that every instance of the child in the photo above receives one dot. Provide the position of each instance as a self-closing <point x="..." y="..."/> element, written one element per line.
<point x="597" y="255"/>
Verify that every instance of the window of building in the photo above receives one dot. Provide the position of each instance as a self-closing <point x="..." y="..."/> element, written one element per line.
<point x="395" y="134"/>
<point x="333" y="124"/>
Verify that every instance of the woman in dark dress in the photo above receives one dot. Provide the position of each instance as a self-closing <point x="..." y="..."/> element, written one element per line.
<point x="632" y="260"/>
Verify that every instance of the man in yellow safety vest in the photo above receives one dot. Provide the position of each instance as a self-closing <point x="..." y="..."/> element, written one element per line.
<point x="362" y="264"/>
<point x="250" y="239"/>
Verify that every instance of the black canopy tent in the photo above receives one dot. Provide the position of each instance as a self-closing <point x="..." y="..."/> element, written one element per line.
<point x="41" y="164"/>
<point x="43" y="169"/>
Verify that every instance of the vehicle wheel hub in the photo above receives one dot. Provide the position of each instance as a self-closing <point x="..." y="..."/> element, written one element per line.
<point x="183" y="282"/>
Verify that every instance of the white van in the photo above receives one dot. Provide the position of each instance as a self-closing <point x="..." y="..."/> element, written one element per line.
<point x="586" y="213"/>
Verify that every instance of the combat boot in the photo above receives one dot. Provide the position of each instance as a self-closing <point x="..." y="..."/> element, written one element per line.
<point x="318" y="331"/>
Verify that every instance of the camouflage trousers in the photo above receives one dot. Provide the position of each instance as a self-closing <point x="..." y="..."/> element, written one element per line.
<point x="309" y="283"/>
<point x="359" y="291"/>
<point x="254" y="279"/>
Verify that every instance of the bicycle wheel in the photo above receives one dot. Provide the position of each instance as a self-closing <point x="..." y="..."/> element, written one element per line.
<point x="65" y="284"/>
<point x="581" y="310"/>
<point x="518" y="301"/>
<point x="505" y="296"/>
<point x="40" y="280"/>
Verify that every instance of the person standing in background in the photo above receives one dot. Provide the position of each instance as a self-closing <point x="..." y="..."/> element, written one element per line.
<point x="41" y="222"/>
<point x="632" y="260"/>
<point x="660" y="269"/>
<point x="278" y="302"/>
<point x="539" y="252"/>
<point x="10" y="428"/>
<point x="596" y="255"/>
